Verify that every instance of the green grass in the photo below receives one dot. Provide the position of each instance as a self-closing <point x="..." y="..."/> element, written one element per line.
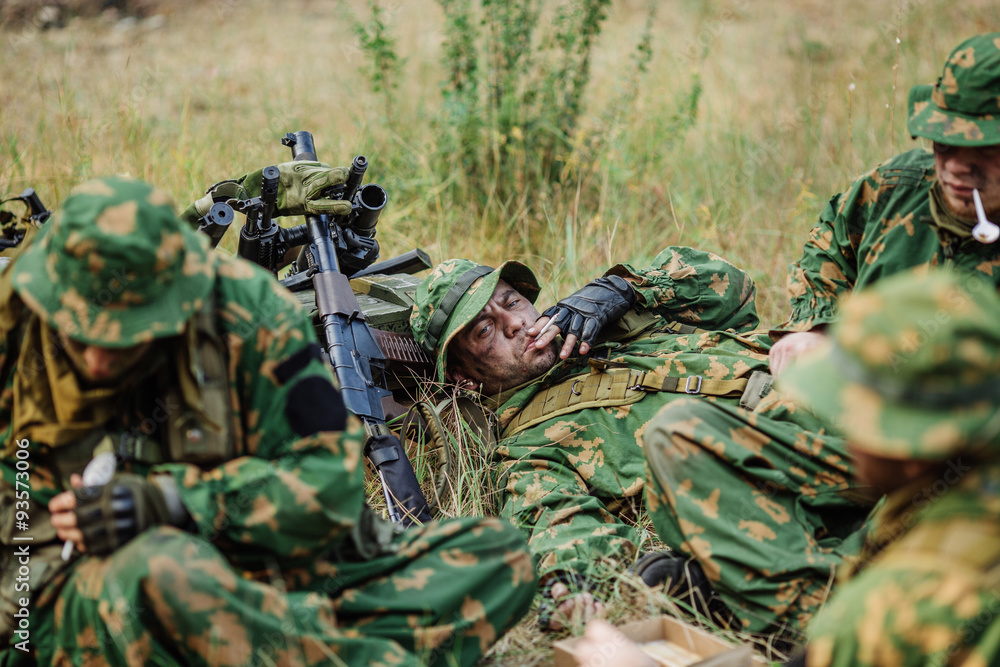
<point x="744" y="119"/>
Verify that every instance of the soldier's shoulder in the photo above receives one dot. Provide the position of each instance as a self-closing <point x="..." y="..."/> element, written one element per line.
<point x="912" y="167"/>
<point x="246" y="293"/>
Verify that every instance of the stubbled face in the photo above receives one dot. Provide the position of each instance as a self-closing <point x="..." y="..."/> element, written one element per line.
<point x="962" y="168"/>
<point x="101" y="365"/>
<point x="493" y="349"/>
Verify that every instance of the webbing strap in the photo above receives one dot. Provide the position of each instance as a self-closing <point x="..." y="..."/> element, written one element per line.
<point x="448" y="303"/>
<point x="693" y="384"/>
<point x="611" y="387"/>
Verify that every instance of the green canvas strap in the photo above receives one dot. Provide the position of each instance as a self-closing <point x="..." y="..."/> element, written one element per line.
<point x="451" y="299"/>
<point x="608" y="386"/>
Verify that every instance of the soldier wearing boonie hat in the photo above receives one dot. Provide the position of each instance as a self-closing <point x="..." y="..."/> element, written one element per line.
<point x="910" y="374"/>
<point x="196" y="380"/>
<point x="916" y="209"/>
<point x="453" y="294"/>
<point x="576" y="432"/>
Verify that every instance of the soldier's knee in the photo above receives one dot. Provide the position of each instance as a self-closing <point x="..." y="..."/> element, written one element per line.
<point x="154" y="552"/>
<point x="675" y="421"/>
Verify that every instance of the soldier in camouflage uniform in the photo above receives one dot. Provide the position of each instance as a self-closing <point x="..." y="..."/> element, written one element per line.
<point x="235" y="530"/>
<point x="910" y="373"/>
<point x="574" y="427"/>
<point x="916" y="209"/>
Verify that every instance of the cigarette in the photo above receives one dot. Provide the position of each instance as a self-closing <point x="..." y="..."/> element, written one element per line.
<point x="545" y="328"/>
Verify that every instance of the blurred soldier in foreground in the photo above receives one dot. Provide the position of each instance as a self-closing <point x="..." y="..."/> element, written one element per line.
<point x="911" y="374"/>
<point x="916" y="209"/>
<point x="125" y="341"/>
<point x="769" y="515"/>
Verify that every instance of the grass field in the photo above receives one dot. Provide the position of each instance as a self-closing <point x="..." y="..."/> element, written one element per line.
<point x="797" y="98"/>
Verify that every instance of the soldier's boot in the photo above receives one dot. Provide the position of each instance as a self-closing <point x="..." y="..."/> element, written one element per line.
<point x="683" y="579"/>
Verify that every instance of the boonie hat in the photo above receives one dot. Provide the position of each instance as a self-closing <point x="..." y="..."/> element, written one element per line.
<point x="452" y="296"/>
<point x="114" y="267"/>
<point x="912" y="368"/>
<point x="963" y="107"/>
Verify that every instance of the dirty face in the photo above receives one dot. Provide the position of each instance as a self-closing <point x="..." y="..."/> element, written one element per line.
<point x="494" y="351"/>
<point x="962" y="168"/>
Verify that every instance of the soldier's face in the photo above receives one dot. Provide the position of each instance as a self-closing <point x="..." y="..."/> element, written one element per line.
<point x="102" y="365"/>
<point x="493" y="350"/>
<point x="962" y="168"/>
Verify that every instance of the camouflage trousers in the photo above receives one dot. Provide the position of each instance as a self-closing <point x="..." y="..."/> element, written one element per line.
<point x="763" y="500"/>
<point x="443" y="597"/>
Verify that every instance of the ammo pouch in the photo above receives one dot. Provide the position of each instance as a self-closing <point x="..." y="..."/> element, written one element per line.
<point x="191" y="438"/>
<point x="608" y="385"/>
<point x="44" y="553"/>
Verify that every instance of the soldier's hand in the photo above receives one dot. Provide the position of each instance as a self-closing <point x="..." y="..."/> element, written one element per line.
<point x="302" y="187"/>
<point x="791" y="346"/>
<point x="106" y="517"/>
<point x="572" y="608"/>
<point x="582" y="315"/>
<point x="63" y="518"/>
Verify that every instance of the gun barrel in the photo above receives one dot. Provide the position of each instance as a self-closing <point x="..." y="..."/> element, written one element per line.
<point x="269" y="194"/>
<point x="369" y="202"/>
<point x="302" y="146"/>
<point x="354" y="176"/>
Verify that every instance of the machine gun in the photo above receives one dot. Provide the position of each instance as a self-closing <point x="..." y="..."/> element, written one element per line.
<point x="334" y="248"/>
<point x="10" y="235"/>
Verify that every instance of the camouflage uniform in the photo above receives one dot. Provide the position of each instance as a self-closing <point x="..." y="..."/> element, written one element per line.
<point x="927" y="588"/>
<point x="574" y="480"/>
<point x="282" y="562"/>
<point x="892" y="218"/>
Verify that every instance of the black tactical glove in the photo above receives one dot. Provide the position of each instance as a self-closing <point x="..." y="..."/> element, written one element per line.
<point x="111" y="515"/>
<point x="586" y="312"/>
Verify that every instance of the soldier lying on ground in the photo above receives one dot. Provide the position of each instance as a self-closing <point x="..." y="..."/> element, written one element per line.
<point x="764" y="506"/>
<point x="235" y="530"/>
<point x="919" y="406"/>
<point x="916" y="209"/>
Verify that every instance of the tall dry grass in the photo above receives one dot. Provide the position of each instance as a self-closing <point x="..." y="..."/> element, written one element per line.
<point x="796" y="99"/>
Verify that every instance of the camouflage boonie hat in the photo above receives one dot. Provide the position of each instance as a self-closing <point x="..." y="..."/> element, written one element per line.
<point x="963" y="107"/>
<point x="453" y="294"/>
<point x="912" y="369"/>
<point x="114" y="267"/>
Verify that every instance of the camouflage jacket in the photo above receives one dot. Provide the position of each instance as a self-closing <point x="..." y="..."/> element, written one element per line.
<point x="928" y="590"/>
<point x="572" y="481"/>
<point x="880" y="226"/>
<point x="291" y="487"/>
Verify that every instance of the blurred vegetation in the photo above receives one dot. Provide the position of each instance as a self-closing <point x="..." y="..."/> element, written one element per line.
<point x="570" y="135"/>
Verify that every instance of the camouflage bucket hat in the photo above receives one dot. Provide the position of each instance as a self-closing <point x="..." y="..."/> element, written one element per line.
<point x="114" y="266"/>
<point x="453" y="294"/>
<point x="963" y="107"/>
<point x="912" y="369"/>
